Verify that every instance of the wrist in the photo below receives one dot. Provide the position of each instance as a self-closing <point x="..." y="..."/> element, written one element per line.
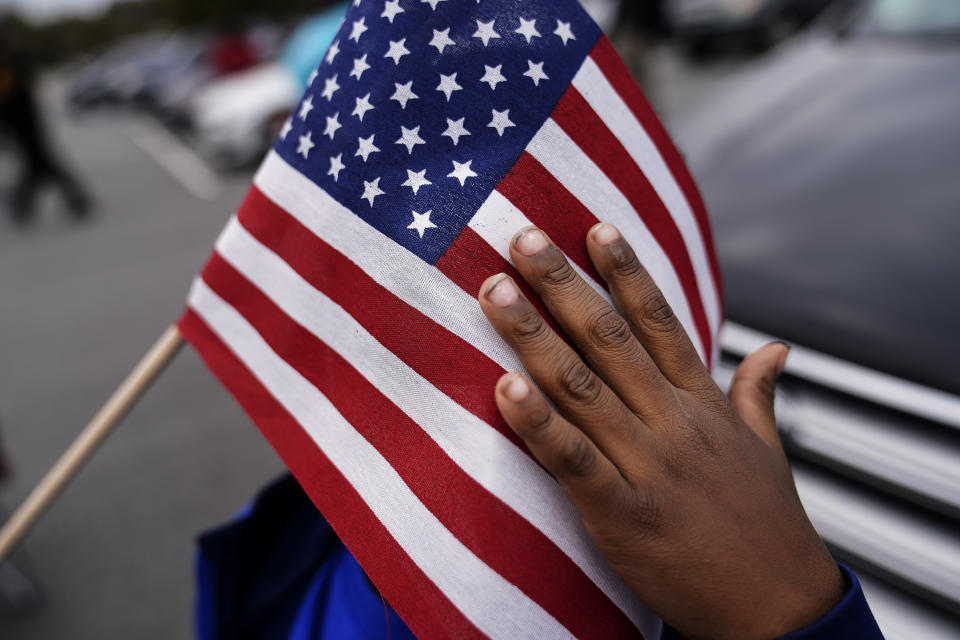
<point x="798" y="605"/>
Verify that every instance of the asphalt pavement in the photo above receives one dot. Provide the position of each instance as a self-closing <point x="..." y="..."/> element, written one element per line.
<point x="79" y="305"/>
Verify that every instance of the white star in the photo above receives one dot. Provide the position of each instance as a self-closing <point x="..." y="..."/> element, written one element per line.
<point x="359" y="66"/>
<point x="306" y="107"/>
<point x="421" y="222"/>
<point x="306" y="144"/>
<point x="448" y="84"/>
<point x="403" y="93"/>
<point x="332" y="125"/>
<point x="397" y="50"/>
<point x="356" y="3"/>
<point x="330" y="87"/>
<point x="366" y="147"/>
<point x="433" y="3"/>
<point x="332" y="52"/>
<point x="441" y="40"/>
<point x="493" y="76"/>
<point x="462" y="171"/>
<point x="371" y="190"/>
<point x="528" y="29"/>
<point x="415" y="180"/>
<point x="485" y="32"/>
<point x="285" y="129"/>
<point x="535" y="72"/>
<point x="501" y="121"/>
<point x="410" y="138"/>
<point x="563" y="30"/>
<point x="359" y="26"/>
<point x="363" y="105"/>
<point x="336" y="166"/>
<point x="455" y="130"/>
<point x="390" y="10"/>
<point x="313" y="77"/>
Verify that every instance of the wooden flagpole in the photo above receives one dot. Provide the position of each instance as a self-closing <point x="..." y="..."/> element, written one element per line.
<point x="92" y="436"/>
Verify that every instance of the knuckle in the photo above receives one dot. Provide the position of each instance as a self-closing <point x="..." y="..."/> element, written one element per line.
<point x="529" y="327"/>
<point x="655" y="317"/>
<point x="579" y="382"/>
<point x="558" y="273"/>
<point x="626" y="264"/>
<point x="753" y="386"/>
<point x="539" y="421"/>
<point x="578" y="458"/>
<point x="656" y="311"/>
<point x="609" y="330"/>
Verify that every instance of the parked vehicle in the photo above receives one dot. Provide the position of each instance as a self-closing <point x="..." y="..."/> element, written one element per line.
<point x="114" y="73"/>
<point x="831" y="175"/>
<point x="700" y="25"/>
<point x="235" y="119"/>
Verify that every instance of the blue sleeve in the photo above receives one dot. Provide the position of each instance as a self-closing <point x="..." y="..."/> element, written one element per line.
<point x="278" y="570"/>
<point x="851" y="618"/>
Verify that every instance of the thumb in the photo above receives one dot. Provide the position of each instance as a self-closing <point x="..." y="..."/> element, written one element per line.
<point x="752" y="390"/>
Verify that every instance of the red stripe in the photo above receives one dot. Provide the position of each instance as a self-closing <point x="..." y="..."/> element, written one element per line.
<point x="587" y="130"/>
<point x="470" y="260"/>
<point x="506" y="542"/>
<point x="619" y="77"/>
<point x="419" y="602"/>
<point x="545" y="201"/>
<point x="450" y="363"/>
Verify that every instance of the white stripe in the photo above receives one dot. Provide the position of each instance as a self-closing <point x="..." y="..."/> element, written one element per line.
<point x="561" y="156"/>
<point x="499" y="609"/>
<point x="498" y="220"/>
<point x="422" y="286"/>
<point x="480" y="450"/>
<point x="618" y="117"/>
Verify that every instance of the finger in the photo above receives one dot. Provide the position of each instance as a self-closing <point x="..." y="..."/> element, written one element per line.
<point x="753" y="387"/>
<point x="598" y="331"/>
<point x="641" y="302"/>
<point x="574" y="388"/>
<point x="588" y="477"/>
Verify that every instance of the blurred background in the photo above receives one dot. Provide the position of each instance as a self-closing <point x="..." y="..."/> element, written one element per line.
<point x="824" y="136"/>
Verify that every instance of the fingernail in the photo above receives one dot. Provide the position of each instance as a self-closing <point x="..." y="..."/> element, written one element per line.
<point x="605" y="234"/>
<point x="531" y="242"/>
<point x="504" y="293"/>
<point x="517" y="389"/>
<point x="782" y="363"/>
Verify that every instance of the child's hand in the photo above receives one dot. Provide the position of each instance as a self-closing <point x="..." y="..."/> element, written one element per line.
<point x="686" y="492"/>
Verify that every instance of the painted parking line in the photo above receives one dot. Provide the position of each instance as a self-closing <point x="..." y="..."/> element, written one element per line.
<point x="183" y="165"/>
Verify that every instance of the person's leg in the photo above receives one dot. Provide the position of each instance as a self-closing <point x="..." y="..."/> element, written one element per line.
<point x="76" y="197"/>
<point x="24" y="194"/>
<point x="41" y="166"/>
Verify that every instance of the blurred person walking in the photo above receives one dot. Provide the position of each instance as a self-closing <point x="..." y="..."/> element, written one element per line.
<point x="20" y="119"/>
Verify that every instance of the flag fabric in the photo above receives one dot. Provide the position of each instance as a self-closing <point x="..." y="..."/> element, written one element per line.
<point x="339" y="303"/>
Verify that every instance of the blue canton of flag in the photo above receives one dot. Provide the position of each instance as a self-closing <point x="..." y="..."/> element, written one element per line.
<point x="415" y="113"/>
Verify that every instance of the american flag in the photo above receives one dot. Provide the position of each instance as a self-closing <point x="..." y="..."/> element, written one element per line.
<point x="338" y="306"/>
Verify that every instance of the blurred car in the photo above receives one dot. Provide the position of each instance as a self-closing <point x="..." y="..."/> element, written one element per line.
<point x="115" y="72"/>
<point x="161" y="72"/>
<point x="234" y="120"/>
<point x="701" y="24"/>
<point x="831" y="173"/>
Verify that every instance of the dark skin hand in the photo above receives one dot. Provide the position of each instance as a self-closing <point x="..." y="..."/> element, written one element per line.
<point x="686" y="491"/>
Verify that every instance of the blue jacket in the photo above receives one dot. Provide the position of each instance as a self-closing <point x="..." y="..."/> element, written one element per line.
<point x="278" y="571"/>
